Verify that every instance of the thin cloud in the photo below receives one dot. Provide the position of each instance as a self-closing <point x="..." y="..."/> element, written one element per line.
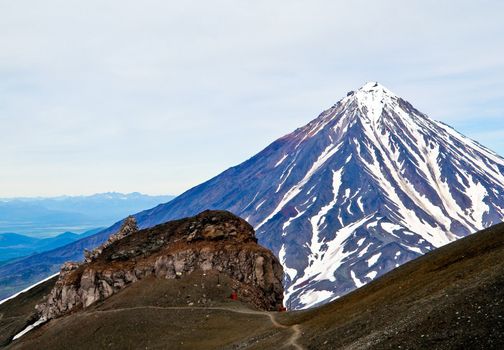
<point x="91" y="90"/>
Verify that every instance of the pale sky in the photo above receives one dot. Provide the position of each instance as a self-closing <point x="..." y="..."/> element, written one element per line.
<point x="158" y="96"/>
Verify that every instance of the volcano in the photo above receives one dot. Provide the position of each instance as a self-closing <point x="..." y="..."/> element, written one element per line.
<point x="368" y="185"/>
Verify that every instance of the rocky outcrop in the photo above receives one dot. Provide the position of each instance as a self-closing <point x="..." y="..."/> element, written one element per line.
<point x="128" y="227"/>
<point x="212" y="240"/>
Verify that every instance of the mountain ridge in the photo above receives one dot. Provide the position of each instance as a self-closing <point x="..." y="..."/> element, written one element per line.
<point x="210" y="241"/>
<point x="46" y="216"/>
<point x="16" y="246"/>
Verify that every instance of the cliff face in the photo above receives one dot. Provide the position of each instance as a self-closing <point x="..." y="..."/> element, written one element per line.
<point x="212" y="240"/>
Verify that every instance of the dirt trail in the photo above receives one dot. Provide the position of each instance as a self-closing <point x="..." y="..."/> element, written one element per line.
<point x="293" y="340"/>
<point x="296" y="334"/>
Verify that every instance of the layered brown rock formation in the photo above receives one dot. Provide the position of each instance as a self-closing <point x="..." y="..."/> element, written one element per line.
<point x="212" y="240"/>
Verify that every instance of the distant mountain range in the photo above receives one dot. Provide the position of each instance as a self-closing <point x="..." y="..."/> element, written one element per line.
<point x="13" y="245"/>
<point x="368" y="185"/>
<point x="44" y="217"/>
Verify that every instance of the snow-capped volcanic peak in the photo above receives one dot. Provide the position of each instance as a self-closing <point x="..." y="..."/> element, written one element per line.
<point x="392" y="172"/>
<point x="372" y="99"/>
<point x="372" y="178"/>
<point x="368" y="185"/>
<point x="374" y="93"/>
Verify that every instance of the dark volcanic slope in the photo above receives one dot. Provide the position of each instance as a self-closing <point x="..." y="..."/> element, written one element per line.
<point x="452" y="298"/>
<point x="16" y="313"/>
<point x="192" y="313"/>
